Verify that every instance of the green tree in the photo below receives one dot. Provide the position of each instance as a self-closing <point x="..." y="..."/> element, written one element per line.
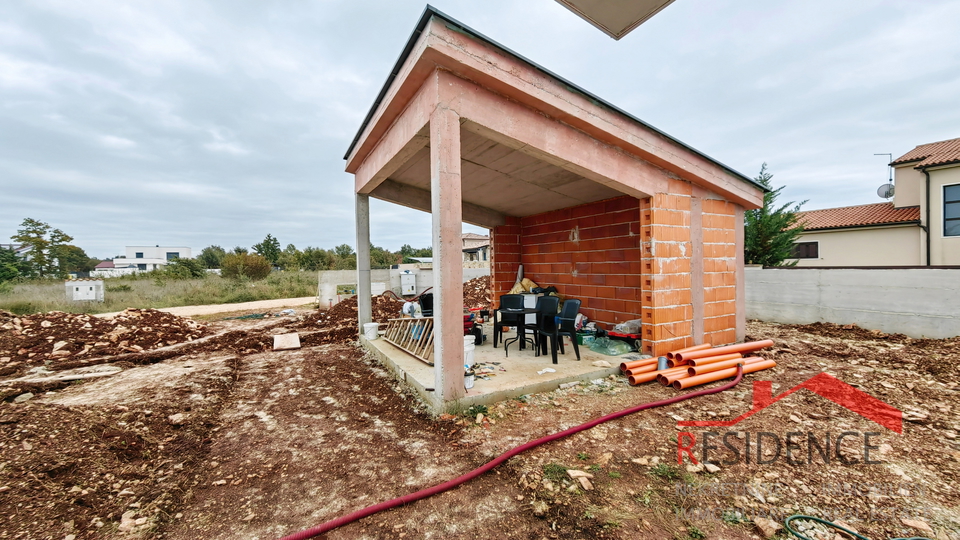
<point x="770" y="231"/>
<point x="44" y="241"/>
<point x="211" y="256"/>
<point x="383" y="258"/>
<point x="290" y="258"/>
<point x="72" y="259"/>
<point x="240" y="250"/>
<point x="315" y="259"/>
<point x="10" y="265"/>
<point x="185" y="269"/>
<point x="237" y="265"/>
<point x="269" y="249"/>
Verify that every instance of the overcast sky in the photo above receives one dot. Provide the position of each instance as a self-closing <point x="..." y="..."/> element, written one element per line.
<point x="196" y="123"/>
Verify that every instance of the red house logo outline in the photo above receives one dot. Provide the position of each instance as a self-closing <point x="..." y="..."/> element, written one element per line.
<point x="827" y="386"/>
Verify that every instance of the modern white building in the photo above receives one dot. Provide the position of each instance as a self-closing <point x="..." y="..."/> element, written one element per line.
<point x="146" y="258"/>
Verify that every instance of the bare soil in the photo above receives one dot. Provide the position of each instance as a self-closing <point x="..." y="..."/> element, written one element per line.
<point x="221" y="437"/>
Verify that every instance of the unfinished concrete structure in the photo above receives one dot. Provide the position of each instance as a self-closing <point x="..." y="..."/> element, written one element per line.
<point x="588" y="198"/>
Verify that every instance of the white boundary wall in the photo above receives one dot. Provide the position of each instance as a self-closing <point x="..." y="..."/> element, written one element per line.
<point x="329" y="279"/>
<point x="918" y="302"/>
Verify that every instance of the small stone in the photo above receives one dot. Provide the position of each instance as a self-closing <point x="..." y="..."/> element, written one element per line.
<point x="795" y="418"/>
<point x="27" y="446"/>
<point x="4" y="489"/>
<point x="125" y="493"/>
<point x="639" y="461"/>
<point x="711" y="468"/>
<point x="59" y="345"/>
<point x="177" y="419"/>
<point x="604" y="459"/>
<point x="70" y="537"/>
<point x="601" y="363"/>
<point x="140" y="521"/>
<point x="574" y="473"/>
<point x="23" y="397"/>
<point x="248" y="517"/>
<point x="768" y="527"/>
<point x="585" y="483"/>
<point x="479" y="417"/>
<point x="539" y="508"/>
<point x="917" y="524"/>
<point x="219" y="482"/>
<point x="519" y="497"/>
<point x="691" y="468"/>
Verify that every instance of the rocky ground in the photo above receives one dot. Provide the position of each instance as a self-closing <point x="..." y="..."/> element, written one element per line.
<point x="217" y="436"/>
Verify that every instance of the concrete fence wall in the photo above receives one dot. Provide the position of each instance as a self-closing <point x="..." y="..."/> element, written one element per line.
<point x="918" y="302"/>
<point x="329" y="280"/>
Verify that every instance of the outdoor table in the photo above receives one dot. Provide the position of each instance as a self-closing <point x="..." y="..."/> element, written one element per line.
<point x="520" y="330"/>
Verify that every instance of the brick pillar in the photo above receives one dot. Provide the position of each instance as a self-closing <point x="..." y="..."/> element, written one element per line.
<point x="666" y="252"/>
<point x="720" y="282"/>
<point x="505" y="240"/>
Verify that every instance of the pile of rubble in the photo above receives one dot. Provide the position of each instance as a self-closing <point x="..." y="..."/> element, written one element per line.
<point x="57" y="336"/>
<point x="477" y="293"/>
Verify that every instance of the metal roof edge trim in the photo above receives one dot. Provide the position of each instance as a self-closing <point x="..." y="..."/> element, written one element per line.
<point x="431" y="11"/>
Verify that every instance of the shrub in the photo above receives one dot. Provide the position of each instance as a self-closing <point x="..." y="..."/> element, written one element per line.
<point x="185" y="269"/>
<point x="22" y="308"/>
<point x="123" y="287"/>
<point x="245" y="265"/>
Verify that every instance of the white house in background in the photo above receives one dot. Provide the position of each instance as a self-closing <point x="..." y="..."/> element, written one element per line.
<point x="146" y="258"/>
<point x="921" y="227"/>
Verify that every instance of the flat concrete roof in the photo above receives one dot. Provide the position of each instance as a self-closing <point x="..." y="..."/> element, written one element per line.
<point x="409" y="49"/>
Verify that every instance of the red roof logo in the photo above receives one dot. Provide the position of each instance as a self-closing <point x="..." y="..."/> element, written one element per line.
<point x="826" y="386"/>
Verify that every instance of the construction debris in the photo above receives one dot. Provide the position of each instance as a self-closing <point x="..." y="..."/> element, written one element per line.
<point x="56" y="337"/>
<point x="286" y="342"/>
<point x="477" y="293"/>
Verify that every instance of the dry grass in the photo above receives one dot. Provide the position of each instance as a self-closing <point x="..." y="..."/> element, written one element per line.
<point x="156" y="291"/>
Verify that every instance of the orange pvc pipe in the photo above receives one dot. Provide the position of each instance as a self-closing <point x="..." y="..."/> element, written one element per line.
<point x="722" y="374"/>
<point x="717" y="366"/>
<point x="739" y="348"/>
<point x="700" y="347"/>
<point x="637" y="363"/>
<point x="667" y="379"/>
<point x="651" y="375"/>
<point x="641" y="369"/>
<point x="712" y="359"/>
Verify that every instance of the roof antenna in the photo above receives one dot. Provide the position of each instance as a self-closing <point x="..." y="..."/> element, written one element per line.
<point x="886" y="191"/>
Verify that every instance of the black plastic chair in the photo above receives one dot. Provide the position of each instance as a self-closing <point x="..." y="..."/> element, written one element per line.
<point x="508" y="301"/>
<point x="426" y="305"/>
<point x="546" y="306"/>
<point x="566" y="327"/>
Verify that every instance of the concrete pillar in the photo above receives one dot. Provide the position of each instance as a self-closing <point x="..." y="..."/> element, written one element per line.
<point x="447" y="214"/>
<point x="364" y="308"/>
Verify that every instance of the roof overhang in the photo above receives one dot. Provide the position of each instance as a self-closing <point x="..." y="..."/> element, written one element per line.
<point x="616" y="18"/>
<point x="531" y="141"/>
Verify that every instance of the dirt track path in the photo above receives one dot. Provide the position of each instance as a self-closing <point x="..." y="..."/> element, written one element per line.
<point x="212" y="309"/>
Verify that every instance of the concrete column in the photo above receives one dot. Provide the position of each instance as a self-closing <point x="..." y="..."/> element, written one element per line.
<point x="447" y="214"/>
<point x="364" y="308"/>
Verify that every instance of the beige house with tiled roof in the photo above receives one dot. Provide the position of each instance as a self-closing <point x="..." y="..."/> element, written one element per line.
<point x="921" y="227"/>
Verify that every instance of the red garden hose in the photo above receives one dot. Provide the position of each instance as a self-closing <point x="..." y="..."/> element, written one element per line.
<point x="440" y="488"/>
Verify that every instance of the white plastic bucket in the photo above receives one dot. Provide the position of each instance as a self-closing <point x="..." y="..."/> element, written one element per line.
<point x="370" y="330"/>
<point x="468" y="381"/>
<point x="468" y="349"/>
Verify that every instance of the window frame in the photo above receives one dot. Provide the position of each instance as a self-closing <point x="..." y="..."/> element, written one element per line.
<point x="944" y="210"/>
<point x="138" y="255"/>
<point x="795" y="252"/>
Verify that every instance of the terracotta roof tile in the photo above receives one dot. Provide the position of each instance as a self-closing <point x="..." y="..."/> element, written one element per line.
<point x="857" y="216"/>
<point x="930" y="154"/>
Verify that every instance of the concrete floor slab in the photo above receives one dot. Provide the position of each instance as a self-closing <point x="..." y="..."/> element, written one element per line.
<point x="511" y="376"/>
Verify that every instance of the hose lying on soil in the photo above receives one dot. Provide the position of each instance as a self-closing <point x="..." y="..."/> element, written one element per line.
<point x="440" y="488"/>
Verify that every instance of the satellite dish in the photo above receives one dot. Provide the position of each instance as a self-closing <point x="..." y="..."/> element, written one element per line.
<point x="885" y="191"/>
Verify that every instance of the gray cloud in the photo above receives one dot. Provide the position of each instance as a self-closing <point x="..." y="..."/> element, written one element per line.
<point x="216" y="123"/>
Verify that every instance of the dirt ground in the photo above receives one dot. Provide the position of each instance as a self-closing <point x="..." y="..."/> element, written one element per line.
<point x="218" y="436"/>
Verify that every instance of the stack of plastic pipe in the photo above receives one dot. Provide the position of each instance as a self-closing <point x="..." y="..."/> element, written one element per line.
<point x="700" y="364"/>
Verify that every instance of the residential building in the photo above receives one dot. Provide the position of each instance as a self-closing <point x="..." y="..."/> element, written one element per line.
<point x="476" y="247"/>
<point x="920" y="227"/>
<point x="146" y="258"/>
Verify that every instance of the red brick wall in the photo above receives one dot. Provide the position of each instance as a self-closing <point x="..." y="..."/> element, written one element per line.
<point x="719" y="272"/>
<point x="590" y="252"/>
<point x="627" y="258"/>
